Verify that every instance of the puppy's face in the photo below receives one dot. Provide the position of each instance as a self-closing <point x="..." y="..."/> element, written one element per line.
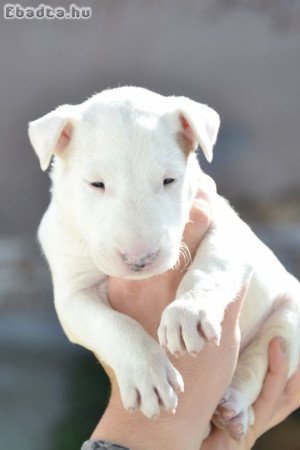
<point x="125" y="174"/>
<point x="129" y="186"/>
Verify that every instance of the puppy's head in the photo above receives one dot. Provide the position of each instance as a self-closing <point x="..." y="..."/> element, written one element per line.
<point x="125" y="173"/>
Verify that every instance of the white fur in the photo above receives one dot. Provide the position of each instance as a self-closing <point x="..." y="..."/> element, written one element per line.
<point x="127" y="138"/>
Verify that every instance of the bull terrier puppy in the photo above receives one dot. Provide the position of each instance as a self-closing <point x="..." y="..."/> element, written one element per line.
<point x="124" y="177"/>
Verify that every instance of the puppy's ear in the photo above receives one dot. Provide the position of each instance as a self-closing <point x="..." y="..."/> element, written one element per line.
<point x="51" y="134"/>
<point x="197" y="124"/>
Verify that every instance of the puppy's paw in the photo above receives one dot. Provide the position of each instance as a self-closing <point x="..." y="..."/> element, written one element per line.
<point x="233" y="414"/>
<point x="185" y="326"/>
<point x="149" y="383"/>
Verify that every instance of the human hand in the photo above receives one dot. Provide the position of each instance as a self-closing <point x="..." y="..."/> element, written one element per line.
<point x="144" y="301"/>
<point x="277" y="400"/>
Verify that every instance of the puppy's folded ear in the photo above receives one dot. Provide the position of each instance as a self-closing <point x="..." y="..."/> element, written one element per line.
<point x="196" y="124"/>
<point x="52" y="133"/>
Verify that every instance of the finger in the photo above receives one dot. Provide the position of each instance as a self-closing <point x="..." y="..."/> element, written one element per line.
<point x="292" y="390"/>
<point x="200" y="213"/>
<point x="232" y="312"/>
<point x="290" y="401"/>
<point x="273" y="387"/>
<point x="197" y="227"/>
<point x="206" y="186"/>
<point x="204" y="195"/>
<point x="202" y="203"/>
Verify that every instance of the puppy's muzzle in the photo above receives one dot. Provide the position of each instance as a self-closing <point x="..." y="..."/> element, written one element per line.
<point x="137" y="262"/>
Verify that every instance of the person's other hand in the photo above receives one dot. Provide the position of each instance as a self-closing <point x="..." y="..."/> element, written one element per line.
<point x="277" y="400"/>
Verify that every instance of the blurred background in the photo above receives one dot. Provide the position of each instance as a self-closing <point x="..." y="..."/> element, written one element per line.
<point x="242" y="57"/>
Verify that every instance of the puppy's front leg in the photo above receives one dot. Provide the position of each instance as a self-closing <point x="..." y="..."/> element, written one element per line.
<point x="213" y="280"/>
<point x="147" y="379"/>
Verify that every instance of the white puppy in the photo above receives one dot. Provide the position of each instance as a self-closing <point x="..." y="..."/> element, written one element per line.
<point x="123" y="180"/>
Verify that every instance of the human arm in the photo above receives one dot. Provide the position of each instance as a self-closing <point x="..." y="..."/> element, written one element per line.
<point x="206" y="377"/>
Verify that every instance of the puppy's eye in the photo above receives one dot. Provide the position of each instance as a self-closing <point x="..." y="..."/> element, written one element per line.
<point x="168" y="181"/>
<point x="98" y="185"/>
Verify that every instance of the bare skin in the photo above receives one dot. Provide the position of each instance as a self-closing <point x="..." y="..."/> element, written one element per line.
<point x="205" y="377"/>
<point x="277" y="400"/>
